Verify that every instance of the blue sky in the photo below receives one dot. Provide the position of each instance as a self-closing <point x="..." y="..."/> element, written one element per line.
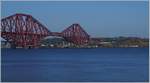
<point x="98" y="18"/>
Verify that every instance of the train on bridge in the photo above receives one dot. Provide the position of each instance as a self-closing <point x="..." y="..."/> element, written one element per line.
<point x="23" y="30"/>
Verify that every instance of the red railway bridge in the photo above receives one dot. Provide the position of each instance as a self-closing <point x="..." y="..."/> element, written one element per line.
<point x="23" y="30"/>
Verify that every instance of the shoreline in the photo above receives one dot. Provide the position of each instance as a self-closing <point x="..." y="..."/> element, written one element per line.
<point x="75" y="48"/>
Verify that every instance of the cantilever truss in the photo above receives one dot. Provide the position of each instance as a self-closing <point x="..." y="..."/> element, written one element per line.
<point x="76" y="34"/>
<point x="23" y="30"/>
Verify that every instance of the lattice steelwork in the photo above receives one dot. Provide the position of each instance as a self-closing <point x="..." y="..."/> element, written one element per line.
<point x="75" y="34"/>
<point x="23" y="30"/>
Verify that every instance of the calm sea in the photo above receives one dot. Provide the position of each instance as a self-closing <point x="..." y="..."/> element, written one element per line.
<point x="75" y="65"/>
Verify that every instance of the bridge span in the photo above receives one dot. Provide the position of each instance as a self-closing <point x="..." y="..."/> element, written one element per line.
<point x="23" y="30"/>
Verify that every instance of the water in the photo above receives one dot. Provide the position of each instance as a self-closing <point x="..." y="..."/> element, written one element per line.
<point x="75" y="65"/>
